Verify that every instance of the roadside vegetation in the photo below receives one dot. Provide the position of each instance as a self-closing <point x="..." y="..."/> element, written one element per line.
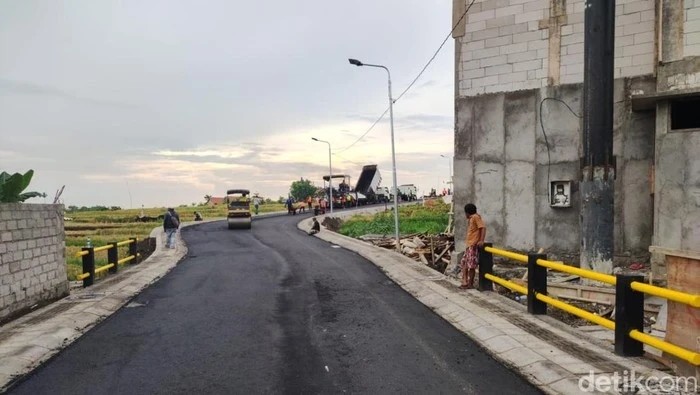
<point x="426" y="219"/>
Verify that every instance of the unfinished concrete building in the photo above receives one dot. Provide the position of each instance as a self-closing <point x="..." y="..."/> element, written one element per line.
<point x="518" y="135"/>
<point x="517" y="153"/>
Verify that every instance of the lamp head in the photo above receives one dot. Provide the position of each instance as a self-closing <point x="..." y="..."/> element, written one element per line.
<point x="314" y="139"/>
<point x="355" y="62"/>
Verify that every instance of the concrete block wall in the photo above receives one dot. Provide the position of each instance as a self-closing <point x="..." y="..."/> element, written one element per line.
<point x="677" y="185"/>
<point x="32" y="256"/>
<point x="691" y="28"/>
<point x="505" y="46"/>
<point x="503" y="164"/>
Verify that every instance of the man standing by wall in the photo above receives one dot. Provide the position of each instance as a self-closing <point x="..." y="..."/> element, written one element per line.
<point x="476" y="233"/>
<point x="170" y="224"/>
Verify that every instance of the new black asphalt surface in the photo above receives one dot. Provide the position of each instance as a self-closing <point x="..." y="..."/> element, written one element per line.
<point x="272" y="310"/>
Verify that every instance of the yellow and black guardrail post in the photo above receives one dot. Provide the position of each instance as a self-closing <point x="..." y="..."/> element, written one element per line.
<point x="536" y="284"/>
<point x="89" y="266"/>
<point x="133" y="251"/>
<point x="113" y="257"/>
<point x="485" y="267"/>
<point x="629" y="315"/>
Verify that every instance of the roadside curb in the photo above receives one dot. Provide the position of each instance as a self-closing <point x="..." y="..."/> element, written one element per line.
<point x="549" y="354"/>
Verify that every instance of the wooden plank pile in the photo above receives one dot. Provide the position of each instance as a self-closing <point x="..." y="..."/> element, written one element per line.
<point x="431" y="250"/>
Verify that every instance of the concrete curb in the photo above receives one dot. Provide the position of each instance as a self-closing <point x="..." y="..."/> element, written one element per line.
<point x="549" y="354"/>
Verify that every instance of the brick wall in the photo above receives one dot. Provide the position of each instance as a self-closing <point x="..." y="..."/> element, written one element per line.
<point x="691" y="28"/>
<point x="32" y="261"/>
<point x="506" y="44"/>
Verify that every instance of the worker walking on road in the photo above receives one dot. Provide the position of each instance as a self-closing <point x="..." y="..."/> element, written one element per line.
<point x="476" y="234"/>
<point x="171" y="222"/>
<point x="256" y="204"/>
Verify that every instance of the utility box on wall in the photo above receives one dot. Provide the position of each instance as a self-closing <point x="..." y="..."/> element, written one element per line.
<point x="560" y="194"/>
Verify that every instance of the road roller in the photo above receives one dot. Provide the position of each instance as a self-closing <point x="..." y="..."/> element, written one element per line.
<point x="238" y="201"/>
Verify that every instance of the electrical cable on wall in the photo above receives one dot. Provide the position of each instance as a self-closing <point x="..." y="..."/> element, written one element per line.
<point x="415" y="79"/>
<point x="544" y="132"/>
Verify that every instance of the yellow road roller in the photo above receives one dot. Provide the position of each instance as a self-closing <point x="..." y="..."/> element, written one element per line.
<point x="238" y="201"/>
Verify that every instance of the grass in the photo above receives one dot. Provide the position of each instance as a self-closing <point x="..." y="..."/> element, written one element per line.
<point x="104" y="227"/>
<point x="412" y="219"/>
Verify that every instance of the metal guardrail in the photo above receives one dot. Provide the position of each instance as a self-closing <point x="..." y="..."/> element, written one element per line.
<point x="589" y="274"/>
<point x="666" y="293"/>
<point x="88" y="256"/>
<point x="629" y="300"/>
<point x="507" y="254"/>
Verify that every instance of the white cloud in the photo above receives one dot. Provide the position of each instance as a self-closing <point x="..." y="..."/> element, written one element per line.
<point x="170" y="103"/>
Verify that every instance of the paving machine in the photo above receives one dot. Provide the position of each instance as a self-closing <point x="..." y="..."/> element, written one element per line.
<point x="238" y="201"/>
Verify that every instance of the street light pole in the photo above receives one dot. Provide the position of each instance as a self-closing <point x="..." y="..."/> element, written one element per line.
<point x="393" y="151"/>
<point x="330" y="173"/>
<point x="449" y="163"/>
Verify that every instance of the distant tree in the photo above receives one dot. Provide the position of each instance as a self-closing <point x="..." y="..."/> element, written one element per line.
<point x="268" y="201"/>
<point x="115" y="208"/>
<point x="207" y="199"/>
<point x="72" y="208"/>
<point x="301" y="189"/>
<point x="281" y="199"/>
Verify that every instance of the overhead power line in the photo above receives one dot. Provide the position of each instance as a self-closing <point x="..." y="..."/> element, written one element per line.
<point x="436" y="52"/>
<point x="415" y="79"/>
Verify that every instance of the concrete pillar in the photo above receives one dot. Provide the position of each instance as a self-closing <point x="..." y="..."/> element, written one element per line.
<point x="672" y="19"/>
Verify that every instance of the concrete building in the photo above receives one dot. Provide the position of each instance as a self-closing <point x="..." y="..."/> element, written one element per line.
<point x="514" y="149"/>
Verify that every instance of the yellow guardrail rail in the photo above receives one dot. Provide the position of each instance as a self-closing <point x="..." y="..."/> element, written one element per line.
<point x="103" y="248"/>
<point x="680" y="352"/>
<point x="508" y="284"/>
<point x="127" y="259"/>
<point x="586" y="315"/>
<point x="507" y="254"/>
<point x="104" y="268"/>
<point x="676" y="296"/>
<point x="590" y="274"/>
<point x="669" y="294"/>
<point x="106" y="247"/>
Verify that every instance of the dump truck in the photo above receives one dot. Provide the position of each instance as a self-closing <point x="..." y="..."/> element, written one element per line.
<point x="383" y="195"/>
<point x="238" y="202"/>
<point x="408" y="192"/>
<point x="368" y="184"/>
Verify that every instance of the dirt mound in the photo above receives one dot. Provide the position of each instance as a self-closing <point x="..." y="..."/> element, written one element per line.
<point x="332" y="223"/>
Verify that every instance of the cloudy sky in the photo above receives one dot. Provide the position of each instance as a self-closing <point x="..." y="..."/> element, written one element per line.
<point x="159" y="102"/>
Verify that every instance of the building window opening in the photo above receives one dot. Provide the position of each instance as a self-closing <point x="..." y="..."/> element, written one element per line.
<point x="685" y="114"/>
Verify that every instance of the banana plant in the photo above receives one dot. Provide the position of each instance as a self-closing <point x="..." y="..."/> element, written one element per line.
<point x="12" y="185"/>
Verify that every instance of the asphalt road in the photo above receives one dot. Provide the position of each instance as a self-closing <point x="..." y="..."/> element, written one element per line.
<point x="272" y="310"/>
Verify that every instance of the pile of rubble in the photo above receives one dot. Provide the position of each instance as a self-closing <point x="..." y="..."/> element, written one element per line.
<point x="432" y="250"/>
